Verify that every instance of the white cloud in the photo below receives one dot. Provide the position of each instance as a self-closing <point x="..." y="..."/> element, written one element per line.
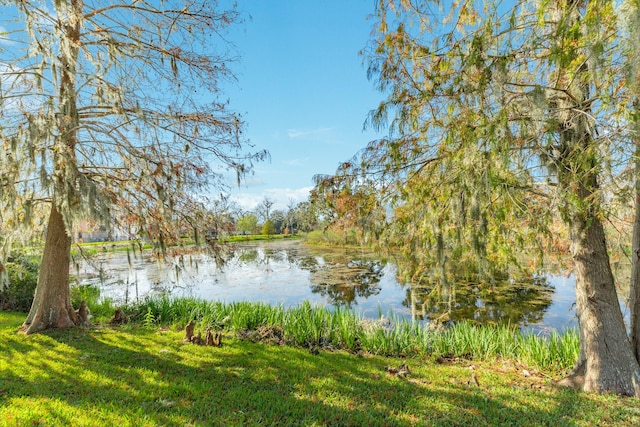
<point x="312" y="134"/>
<point x="246" y="201"/>
<point x="251" y="182"/>
<point x="281" y="197"/>
<point x="296" y="162"/>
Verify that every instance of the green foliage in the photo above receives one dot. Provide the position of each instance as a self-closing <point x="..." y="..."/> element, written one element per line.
<point x="23" y="279"/>
<point x="268" y="228"/>
<point x="88" y="293"/>
<point x="167" y="310"/>
<point x="278" y="220"/>
<point x="259" y="237"/>
<point x="305" y="325"/>
<point x="351" y="206"/>
<point x="302" y="217"/>
<point x="149" y="318"/>
<point x="477" y="113"/>
<point x="247" y="224"/>
<point x="334" y="237"/>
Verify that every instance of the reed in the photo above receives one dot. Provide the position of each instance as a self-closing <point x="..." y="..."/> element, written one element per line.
<point x="311" y="326"/>
<point x="250" y="316"/>
<point x="345" y="328"/>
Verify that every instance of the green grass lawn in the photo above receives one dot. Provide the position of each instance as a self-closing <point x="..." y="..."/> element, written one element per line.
<point x="136" y="376"/>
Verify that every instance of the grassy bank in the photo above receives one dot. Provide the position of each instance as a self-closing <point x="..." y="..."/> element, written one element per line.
<point x="141" y="376"/>
<point x="93" y="248"/>
<point x="257" y="237"/>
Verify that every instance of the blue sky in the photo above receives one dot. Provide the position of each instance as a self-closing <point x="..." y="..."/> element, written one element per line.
<point x="303" y="91"/>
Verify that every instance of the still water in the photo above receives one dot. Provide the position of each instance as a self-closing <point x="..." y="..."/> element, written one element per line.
<point x="288" y="272"/>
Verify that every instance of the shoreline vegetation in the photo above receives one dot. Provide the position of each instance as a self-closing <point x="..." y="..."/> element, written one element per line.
<point x="318" y="328"/>
<point x="301" y="365"/>
<point x="339" y="328"/>
<point x="289" y="367"/>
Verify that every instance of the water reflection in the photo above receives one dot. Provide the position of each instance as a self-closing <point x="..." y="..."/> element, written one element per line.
<point x="288" y="273"/>
<point x="522" y="302"/>
<point x="341" y="277"/>
<point x="343" y="283"/>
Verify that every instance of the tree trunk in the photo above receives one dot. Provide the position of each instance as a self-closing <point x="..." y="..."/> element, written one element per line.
<point x="5" y="251"/>
<point x="606" y="362"/>
<point x="609" y="363"/>
<point x="634" y="293"/>
<point x="51" y="306"/>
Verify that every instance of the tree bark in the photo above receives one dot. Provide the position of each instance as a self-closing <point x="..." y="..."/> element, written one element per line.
<point x="606" y="360"/>
<point x="51" y="306"/>
<point x="634" y="295"/>
<point x="5" y="251"/>
<point x="634" y="290"/>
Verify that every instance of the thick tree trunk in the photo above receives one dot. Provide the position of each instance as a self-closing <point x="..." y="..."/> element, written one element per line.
<point x="634" y="290"/>
<point x="634" y="295"/>
<point x="51" y="306"/>
<point x="606" y="362"/>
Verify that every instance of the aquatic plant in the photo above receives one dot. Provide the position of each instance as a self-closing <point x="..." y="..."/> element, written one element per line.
<point x="317" y="327"/>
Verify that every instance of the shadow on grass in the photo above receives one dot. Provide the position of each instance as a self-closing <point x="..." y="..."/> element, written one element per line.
<point x="144" y="377"/>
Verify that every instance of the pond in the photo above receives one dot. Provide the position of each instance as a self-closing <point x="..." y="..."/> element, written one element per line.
<point x="289" y="272"/>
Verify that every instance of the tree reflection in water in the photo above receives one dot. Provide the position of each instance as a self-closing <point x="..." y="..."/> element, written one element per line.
<point x="343" y="282"/>
<point x="340" y="276"/>
<point x="291" y="272"/>
<point x="345" y="277"/>
<point x="518" y="302"/>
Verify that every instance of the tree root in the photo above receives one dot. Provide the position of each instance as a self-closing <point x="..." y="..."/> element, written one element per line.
<point x="83" y="315"/>
<point x="118" y="317"/>
<point x="210" y="339"/>
<point x="575" y="379"/>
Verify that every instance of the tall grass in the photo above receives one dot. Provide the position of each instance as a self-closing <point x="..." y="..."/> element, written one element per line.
<point x="311" y="326"/>
<point x="250" y="316"/>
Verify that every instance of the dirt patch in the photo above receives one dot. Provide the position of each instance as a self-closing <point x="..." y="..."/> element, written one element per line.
<point x="264" y="334"/>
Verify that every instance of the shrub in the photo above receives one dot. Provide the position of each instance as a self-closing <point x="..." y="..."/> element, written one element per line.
<point x="23" y="278"/>
<point x="327" y="237"/>
<point x="268" y="228"/>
